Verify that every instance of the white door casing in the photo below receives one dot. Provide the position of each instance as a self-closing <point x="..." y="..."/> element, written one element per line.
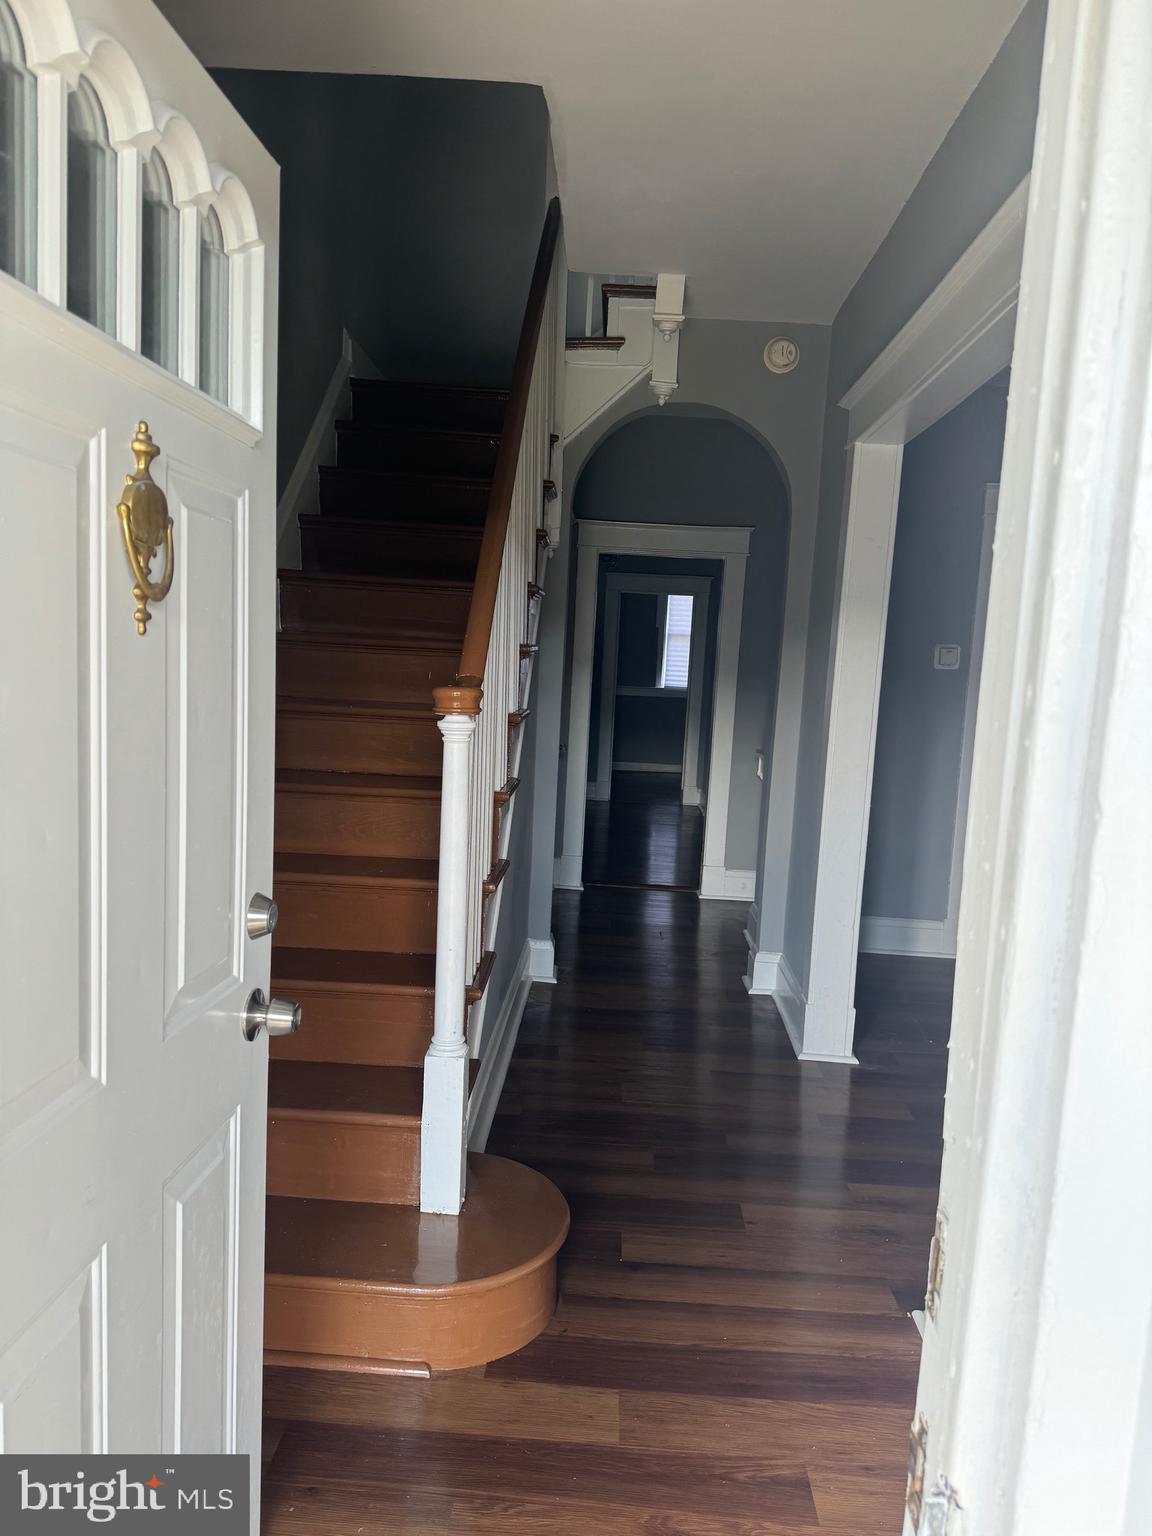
<point x="665" y="541"/>
<point x="699" y="588"/>
<point x="135" y="793"/>
<point x="959" y="338"/>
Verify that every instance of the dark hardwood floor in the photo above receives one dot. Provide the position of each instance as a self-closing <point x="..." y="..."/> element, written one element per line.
<point x="643" y="836"/>
<point x="731" y="1355"/>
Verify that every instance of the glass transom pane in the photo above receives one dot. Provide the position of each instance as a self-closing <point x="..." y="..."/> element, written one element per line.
<point x="160" y="266"/>
<point x="91" y="211"/>
<point x="213" y="308"/>
<point x="17" y="154"/>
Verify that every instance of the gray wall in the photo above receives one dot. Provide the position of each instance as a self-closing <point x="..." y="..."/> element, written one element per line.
<point x="920" y="732"/>
<point x="722" y="373"/>
<point x="678" y="467"/>
<point x="985" y="155"/>
<point x="411" y="211"/>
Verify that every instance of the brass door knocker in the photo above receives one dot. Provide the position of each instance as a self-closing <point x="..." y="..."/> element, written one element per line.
<point x="145" y="523"/>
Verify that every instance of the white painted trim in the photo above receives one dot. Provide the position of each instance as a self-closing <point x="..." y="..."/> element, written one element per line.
<point x="663" y="541"/>
<point x="905" y="389"/>
<point x="905" y="936"/>
<point x="1035" y="1378"/>
<point x="959" y="338"/>
<point x="700" y="589"/>
<point x="971" y="697"/>
<point x="792" y="1006"/>
<point x="568" y="872"/>
<point x="669" y="768"/>
<point x="720" y="884"/>
<point x="301" y="494"/>
<point x="499" y="1044"/>
<point x="542" y="961"/>
<point x="763" y="975"/>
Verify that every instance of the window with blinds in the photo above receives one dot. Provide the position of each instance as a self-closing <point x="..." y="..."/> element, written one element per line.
<point x="677" y="642"/>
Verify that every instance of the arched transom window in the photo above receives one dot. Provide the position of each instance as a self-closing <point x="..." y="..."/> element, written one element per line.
<point x="213" y="307"/>
<point x="91" y="211"/>
<point x="17" y="154"/>
<point x="160" y="265"/>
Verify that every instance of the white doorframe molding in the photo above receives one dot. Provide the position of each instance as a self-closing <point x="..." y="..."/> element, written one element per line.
<point x="699" y="588"/>
<point x="664" y="541"/>
<point x="1036" y="1377"/>
<point x="971" y="697"/>
<point x="959" y="338"/>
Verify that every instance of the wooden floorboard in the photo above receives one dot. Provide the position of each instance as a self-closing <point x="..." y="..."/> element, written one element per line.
<point x="731" y="1354"/>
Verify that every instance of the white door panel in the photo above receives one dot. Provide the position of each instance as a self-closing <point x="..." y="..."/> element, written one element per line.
<point x="135" y="824"/>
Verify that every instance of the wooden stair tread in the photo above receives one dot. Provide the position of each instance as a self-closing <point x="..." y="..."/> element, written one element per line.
<point x="410" y="387"/>
<point x="377" y="525"/>
<point x="514" y="1220"/>
<point x="406" y="429"/>
<point x="369" y="709"/>
<point x="593" y="343"/>
<point x="412" y="477"/>
<point x="401" y="643"/>
<point x="355" y="968"/>
<point x="355" y="868"/>
<point x="404" y="785"/>
<point x="382" y="584"/>
<point x="336" y="1090"/>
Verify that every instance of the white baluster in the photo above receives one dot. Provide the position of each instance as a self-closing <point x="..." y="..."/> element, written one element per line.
<point x="442" y="1143"/>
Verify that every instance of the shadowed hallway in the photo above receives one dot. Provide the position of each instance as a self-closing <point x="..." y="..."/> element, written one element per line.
<point x="731" y="1354"/>
<point x="643" y="836"/>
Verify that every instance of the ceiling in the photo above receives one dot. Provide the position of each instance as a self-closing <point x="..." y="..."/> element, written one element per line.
<point x="763" y="147"/>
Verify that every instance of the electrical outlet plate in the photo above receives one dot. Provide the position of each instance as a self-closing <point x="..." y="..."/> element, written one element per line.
<point x="947" y="658"/>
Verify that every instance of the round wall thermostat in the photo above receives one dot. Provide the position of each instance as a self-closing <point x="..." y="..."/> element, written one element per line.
<point x="781" y="354"/>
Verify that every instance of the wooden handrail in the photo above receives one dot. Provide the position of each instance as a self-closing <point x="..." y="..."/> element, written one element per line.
<point x="474" y="653"/>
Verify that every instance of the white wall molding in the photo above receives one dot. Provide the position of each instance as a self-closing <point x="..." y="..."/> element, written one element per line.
<point x="905" y="936"/>
<point x="720" y="884"/>
<point x="542" y="961"/>
<point x="961" y="336"/>
<point x="954" y="341"/>
<point x="302" y="492"/>
<point x="499" y="1043"/>
<point x="971" y="696"/>
<point x="763" y="975"/>
<point x="729" y="545"/>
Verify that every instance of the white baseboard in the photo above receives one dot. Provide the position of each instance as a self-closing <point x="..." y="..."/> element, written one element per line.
<point x="499" y="1043"/>
<point x="794" y="1008"/>
<point x="720" y="884"/>
<point x="904" y="936"/>
<point x="691" y="795"/>
<point x="542" y="961"/>
<point x="567" y="872"/>
<point x="598" y="791"/>
<point x="301" y="494"/>
<point x="646" y="768"/>
<point x="763" y="975"/>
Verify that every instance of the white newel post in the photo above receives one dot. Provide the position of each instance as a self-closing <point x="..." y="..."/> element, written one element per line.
<point x="442" y="1139"/>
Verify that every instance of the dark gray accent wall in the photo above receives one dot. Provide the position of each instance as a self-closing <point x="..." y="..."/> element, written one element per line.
<point x="675" y="466"/>
<point x="920" y="732"/>
<point x="410" y="215"/>
<point x="985" y="155"/>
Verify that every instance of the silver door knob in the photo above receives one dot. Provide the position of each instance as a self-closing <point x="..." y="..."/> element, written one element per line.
<point x="280" y="1016"/>
<point x="262" y="916"/>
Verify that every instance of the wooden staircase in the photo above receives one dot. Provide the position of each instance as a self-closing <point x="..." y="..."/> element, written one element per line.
<point x="357" y="1276"/>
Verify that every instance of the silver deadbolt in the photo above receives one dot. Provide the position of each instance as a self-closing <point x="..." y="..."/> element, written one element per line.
<point x="280" y="1016"/>
<point x="262" y="916"/>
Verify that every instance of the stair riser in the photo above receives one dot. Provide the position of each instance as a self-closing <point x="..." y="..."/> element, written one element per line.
<point x="437" y="612"/>
<point x="447" y="409"/>
<point x="340" y="821"/>
<point x="400" y="451"/>
<point x="347" y="494"/>
<point x="357" y="744"/>
<point x="361" y="1028"/>
<point x="318" y="914"/>
<point x="317" y="1159"/>
<point x="448" y="1332"/>
<point x="336" y="672"/>
<point x="423" y="553"/>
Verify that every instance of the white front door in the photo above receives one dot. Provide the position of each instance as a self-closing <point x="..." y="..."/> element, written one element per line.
<point x="135" y="769"/>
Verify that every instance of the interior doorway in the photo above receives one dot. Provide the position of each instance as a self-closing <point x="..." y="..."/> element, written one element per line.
<point x="650" y="718"/>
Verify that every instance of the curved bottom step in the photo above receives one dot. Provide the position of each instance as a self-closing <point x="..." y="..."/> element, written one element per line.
<point x="388" y="1283"/>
